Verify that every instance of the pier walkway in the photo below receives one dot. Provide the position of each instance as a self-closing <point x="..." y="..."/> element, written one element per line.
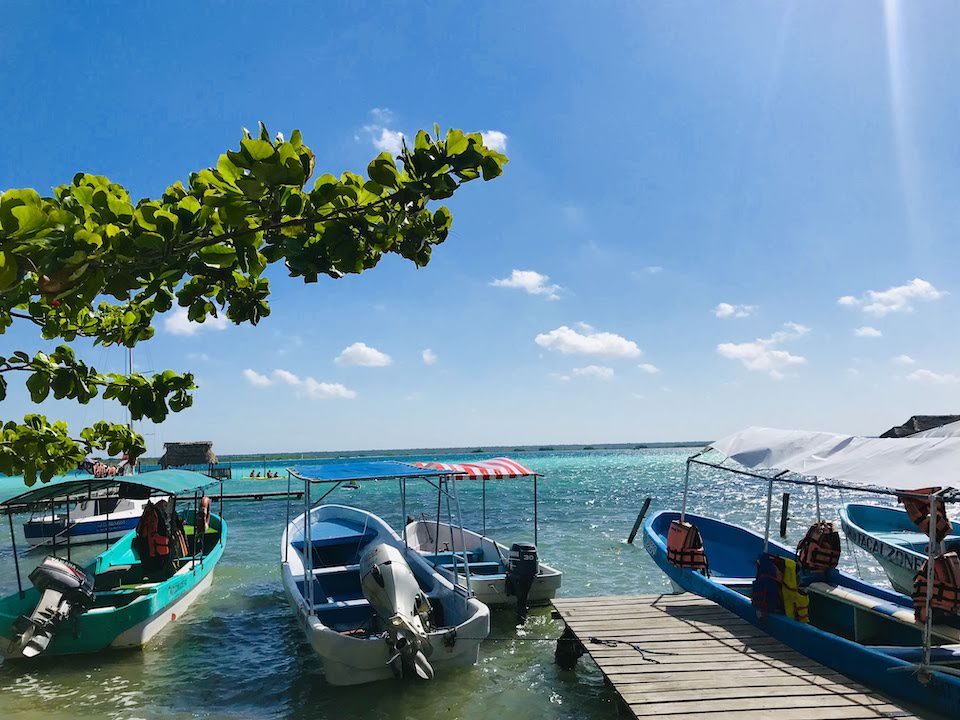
<point x="709" y="664"/>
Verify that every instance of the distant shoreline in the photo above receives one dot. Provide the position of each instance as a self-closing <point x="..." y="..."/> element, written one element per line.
<point x="468" y="450"/>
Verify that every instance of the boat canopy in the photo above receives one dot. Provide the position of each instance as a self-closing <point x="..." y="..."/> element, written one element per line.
<point x="892" y="463"/>
<point x="500" y="468"/>
<point x="363" y="470"/>
<point x="949" y="430"/>
<point x="171" y="481"/>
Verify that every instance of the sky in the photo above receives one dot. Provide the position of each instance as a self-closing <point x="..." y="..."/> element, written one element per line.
<point x="711" y="218"/>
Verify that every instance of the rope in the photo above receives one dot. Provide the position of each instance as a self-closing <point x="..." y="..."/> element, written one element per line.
<point x="614" y="642"/>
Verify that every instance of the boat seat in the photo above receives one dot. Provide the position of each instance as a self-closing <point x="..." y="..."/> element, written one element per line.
<point x="476" y="568"/>
<point x="902" y="615"/>
<point x="732" y="581"/>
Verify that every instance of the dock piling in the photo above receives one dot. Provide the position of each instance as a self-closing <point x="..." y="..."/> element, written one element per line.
<point x="636" y="525"/>
<point x="784" y="512"/>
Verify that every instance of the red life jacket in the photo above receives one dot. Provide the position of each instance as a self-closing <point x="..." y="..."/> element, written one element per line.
<point x="918" y="509"/>
<point x="819" y="550"/>
<point x="766" y="594"/>
<point x="946" y="586"/>
<point x="685" y="547"/>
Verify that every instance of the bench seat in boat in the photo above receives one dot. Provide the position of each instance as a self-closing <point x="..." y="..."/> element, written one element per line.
<point x="900" y="614"/>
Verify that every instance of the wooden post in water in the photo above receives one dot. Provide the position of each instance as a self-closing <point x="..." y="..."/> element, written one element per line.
<point x="784" y="512"/>
<point x="636" y="525"/>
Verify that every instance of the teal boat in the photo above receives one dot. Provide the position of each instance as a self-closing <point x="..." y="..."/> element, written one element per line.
<point x="114" y="601"/>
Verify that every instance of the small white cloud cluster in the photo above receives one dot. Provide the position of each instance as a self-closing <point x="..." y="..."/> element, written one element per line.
<point x="898" y="299"/>
<point x="867" y="332"/>
<point x="598" y="372"/>
<point x="649" y="368"/>
<point x="762" y="355"/>
<point x="383" y="138"/>
<point x="726" y="311"/>
<point x="495" y="140"/>
<point x="178" y="323"/>
<point x="429" y="357"/>
<point x="928" y="376"/>
<point x="568" y="341"/>
<point x="362" y="355"/>
<point x="310" y="387"/>
<point x="903" y="360"/>
<point x="531" y="282"/>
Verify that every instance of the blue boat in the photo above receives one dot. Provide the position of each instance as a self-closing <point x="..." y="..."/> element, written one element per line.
<point x="858" y="629"/>
<point x="892" y="538"/>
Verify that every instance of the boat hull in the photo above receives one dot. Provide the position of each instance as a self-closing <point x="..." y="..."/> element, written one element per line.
<point x="891" y="537"/>
<point x="132" y="624"/>
<point x="487" y="582"/>
<point x="732" y="551"/>
<point x="352" y="659"/>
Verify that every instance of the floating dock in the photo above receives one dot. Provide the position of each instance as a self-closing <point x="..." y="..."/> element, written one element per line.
<point x="676" y="657"/>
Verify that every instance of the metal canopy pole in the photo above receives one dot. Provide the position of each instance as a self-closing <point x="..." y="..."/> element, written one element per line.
<point x="816" y="492"/>
<point x="68" y="528"/>
<point x="928" y="620"/>
<point x="536" y="523"/>
<point x="16" y="560"/>
<point x="463" y="543"/>
<point x="286" y="547"/>
<point x="403" y="510"/>
<point x="436" y="542"/>
<point x="484" y="504"/>
<point x="686" y="487"/>
<point x="766" y="532"/>
<point x="308" y="546"/>
<point x="53" y="528"/>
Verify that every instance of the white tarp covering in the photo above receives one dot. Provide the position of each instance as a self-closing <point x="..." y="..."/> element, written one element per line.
<point x="951" y="430"/>
<point x="900" y="464"/>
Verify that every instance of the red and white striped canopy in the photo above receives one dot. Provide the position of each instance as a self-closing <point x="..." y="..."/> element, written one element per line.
<point x="498" y="469"/>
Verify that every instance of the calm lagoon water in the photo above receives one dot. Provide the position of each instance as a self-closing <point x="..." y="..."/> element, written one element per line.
<point x="238" y="651"/>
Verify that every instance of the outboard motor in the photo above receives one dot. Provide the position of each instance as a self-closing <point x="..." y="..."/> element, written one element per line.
<point x="523" y="565"/>
<point x="391" y="588"/>
<point x="66" y="590"/>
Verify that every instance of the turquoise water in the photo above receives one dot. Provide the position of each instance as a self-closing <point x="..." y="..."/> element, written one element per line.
<point x="239" y="653"/>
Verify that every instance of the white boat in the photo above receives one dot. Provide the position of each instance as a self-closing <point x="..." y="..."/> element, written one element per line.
<point x="358" y="638"/>
<point x="493" y="576"/>
<point x="94" y="519"/>
<point x="499" y="577"/>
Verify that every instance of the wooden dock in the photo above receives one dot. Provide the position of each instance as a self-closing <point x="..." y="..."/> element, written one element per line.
<point x="675" y="657"/>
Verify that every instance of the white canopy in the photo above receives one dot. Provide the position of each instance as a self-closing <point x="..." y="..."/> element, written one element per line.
<point x="896" y="463"/>
<point x="950" y="430"/>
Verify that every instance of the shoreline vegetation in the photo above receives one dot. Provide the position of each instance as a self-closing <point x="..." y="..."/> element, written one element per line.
<point x="467" y="450"/>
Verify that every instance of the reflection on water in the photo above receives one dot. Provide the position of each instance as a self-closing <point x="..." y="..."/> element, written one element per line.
<point x="239" y="653"/>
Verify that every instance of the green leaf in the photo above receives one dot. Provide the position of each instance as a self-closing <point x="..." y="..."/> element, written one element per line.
<point x="29" y="218"/>
<point x="257" y="149"/>
<point x="383" y="170"/>
<point x="39" y="386"/>
<point x="8" y="270"/>
<point x="456" y="142"/>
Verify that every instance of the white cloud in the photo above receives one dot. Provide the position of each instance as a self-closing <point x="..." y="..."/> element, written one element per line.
<point x="638" y="396"/>
<point x="363" y="355"/>
<point x="321" y="390"/>
<point x="599" y="372"/>
<point x="382" y="137"/>
<point x="725" y="311"/>
<point x="929" y="376"/>
<point x="256" y="379"/>
<point x="312" y="388"/>
<point x="285" y="376"/>
<point x="867" y="332"/>
<point x="903" y="360"/>
<point x="568" y="341"/>
<point x="649" y="368"/>
<point x="177" y="323"/>
<point x="653" y="269"/>
<point x="199" y="357"/>
<point x="429" y="357"/>
<point x="495" y="140"/>
<point x="853" y="371"/>
<point x="530" y="282"/>
<point x="761" y="355"/>
<point x="559" y="376"/>
<point x="893" y="300"/>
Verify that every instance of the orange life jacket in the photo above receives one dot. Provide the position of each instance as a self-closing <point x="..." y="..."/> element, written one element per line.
<point x="685" y="547"/>
<point x="918" y="509"/>
<point x="152" y="532"/>
<point x="819" y="550"/>
<point x="946" y="586"/>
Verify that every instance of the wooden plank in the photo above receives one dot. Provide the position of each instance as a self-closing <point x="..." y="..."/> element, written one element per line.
<point x="709" y="664"/>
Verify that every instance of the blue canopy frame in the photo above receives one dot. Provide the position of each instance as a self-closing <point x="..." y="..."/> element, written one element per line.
<point x="367" y="470"/>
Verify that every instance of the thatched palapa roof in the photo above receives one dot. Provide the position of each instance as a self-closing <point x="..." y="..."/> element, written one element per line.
<point x="197" y="452"/>
<point x="919" y="423"/>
